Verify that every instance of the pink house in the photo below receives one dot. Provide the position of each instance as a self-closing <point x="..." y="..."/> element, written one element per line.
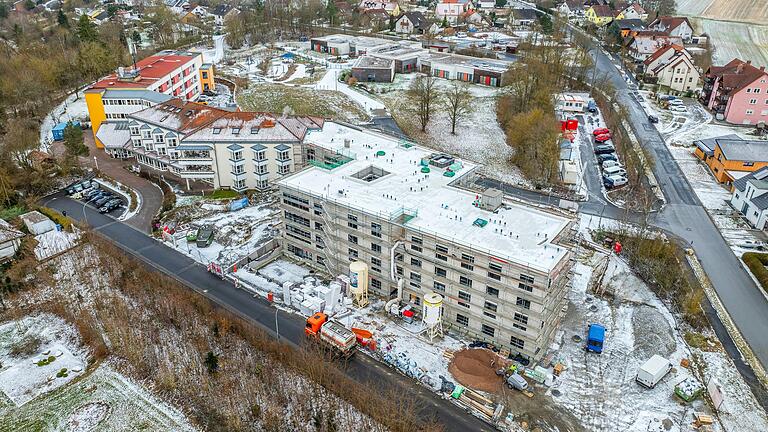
<point x="737" y="92"/>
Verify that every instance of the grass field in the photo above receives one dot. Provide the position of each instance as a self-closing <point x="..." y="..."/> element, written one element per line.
<point x="102" y="400"/>
<point x="301" y="101"/>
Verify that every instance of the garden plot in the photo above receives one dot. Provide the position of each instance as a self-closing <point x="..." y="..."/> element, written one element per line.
<point x="38" y="354"/>
<point x="235" y="234"/>
<point x="102" y="400"/>
<point x="297" y="100"/>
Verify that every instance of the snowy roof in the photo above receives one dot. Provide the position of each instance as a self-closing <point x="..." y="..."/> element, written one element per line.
<point x="398" y="52"/>
<point x="757" y="178"/>
<point x="33" y="217"/>
<point x="743" y="150"/>
<point x="370" y="62"/>
<point x="516" y="233"/>
<point x="8" y="233"/>
<point x="250" y="127"/>
<point x="473" y="62"/>
<point x="147" y="95"/>
<point x="708" y="145"/>
<point x="114" y="134"/>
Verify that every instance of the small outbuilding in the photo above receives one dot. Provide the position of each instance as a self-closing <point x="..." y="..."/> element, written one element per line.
<point x="10" y="240"/>
<point x="58" y="130"/>
<point x="37" y="223"/>
<point x="373" y="69"/>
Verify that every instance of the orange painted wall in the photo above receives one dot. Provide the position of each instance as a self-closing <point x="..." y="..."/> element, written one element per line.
<point x="720" y="166"/>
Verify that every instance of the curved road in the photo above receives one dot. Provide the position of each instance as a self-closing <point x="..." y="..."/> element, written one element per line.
<point x="685" y="217"/>
<point x="362" y="368"/>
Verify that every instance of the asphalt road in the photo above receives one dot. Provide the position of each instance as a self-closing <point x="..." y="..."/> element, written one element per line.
<point x="685" y="217"/>
<point x="291" y="327"/>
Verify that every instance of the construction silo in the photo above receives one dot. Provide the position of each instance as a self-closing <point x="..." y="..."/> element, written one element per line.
<point x="358" y="286"/>
<point x="432" y="314"/>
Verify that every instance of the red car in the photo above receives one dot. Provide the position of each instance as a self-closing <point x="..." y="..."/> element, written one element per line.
<point x="603" y="137"/>
<point x="600" y="131"/>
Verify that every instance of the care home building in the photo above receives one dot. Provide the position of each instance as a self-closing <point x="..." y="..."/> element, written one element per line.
<point x="737" y="92"/>
<point x="154" y="80"/>
<point x="235" y="150"/>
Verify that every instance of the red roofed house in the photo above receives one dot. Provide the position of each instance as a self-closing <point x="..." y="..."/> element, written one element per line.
<point x="645" y="43"/>
<point x="155" y="79"/>
<point x="673" y="67"/>
<point x="737" y="92"/>
<point x="673" y="26"/>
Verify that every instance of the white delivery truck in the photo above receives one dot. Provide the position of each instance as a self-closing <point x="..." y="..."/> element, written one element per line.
<point x="653" y="370"/>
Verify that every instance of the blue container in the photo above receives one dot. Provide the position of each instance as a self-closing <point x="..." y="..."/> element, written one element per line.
<point x="58" y="130"/>
<point x="595" y="338"/>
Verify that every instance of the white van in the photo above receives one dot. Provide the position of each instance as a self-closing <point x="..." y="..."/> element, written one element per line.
<point x="653" y="370"/>
<point x="615" y="170"/>
<point x="676" y="102"/>
<point x="611" y="163"/>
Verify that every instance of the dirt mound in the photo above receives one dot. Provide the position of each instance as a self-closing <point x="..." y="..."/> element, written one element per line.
<point x="476" y="368"/>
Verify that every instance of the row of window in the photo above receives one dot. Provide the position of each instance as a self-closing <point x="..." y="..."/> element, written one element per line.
<point x="138" y="102"/>
<point x="259" y="155"/>
<point x="487" y="330"/>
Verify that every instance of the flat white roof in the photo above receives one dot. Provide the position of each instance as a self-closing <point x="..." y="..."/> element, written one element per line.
<point x="515" y="233"/>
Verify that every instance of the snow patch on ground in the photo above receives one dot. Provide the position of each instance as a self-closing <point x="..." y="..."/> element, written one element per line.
<point x="21" y="379"/>
<point x="54" y="242"/>
<point x="69" y="110"/>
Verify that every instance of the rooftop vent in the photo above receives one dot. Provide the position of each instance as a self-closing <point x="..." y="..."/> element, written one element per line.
<point x="188" y="113"/>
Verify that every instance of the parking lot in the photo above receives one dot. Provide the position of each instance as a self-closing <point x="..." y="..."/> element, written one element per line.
<point x="610" y="169"/>
<point x="97" y="195"/>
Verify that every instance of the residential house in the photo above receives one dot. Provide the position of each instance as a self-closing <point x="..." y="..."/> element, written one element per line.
<point x="472" y="17"/>
<point x="391" y="7"/>
<point x="344" y="12"/>
<point x="673" y="67"/>
<point x="177" y="6"/>
<point x="628" y="27"/>
<point x="195" y="13"/>
<point x="634" y="11"/>
<point x="377" y="19"/>
<point x="737" y="92"/>
<point x="523" y="17"/>
<point x="10" y="240"/>
<point x="730" y="157"/>
<point x="602" y="15"/>
<point x="646" y="42"/>
<point x="750" y="197"/>
<point x="412" y="23"/>
<point x="223" y="12"/>
<point x="373" y="69"/>
<point x="673" y="26"/>
<point x="451" y="10"/>
<point x="154" y="80"/>
<point x="572" y="9"/>
<point x="237" y="150"/>
<point x="506" y="284"/>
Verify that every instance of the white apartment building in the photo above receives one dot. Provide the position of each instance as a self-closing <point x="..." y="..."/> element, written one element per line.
<point x="452" y="10"/>
<point x="502" y="268"/>
<point x="236" y="150"/>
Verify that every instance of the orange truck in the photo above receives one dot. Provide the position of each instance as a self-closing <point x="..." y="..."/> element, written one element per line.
<point x="331" y="333"/>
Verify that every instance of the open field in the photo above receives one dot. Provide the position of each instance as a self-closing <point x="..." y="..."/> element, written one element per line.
<point x="751" y="11"/>
<point x="732" y="39"/>
<point x="300" y="101"/>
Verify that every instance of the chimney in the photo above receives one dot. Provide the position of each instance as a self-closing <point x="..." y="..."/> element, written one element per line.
<point x="749" y="62"/>
<point x="762" y="68"/>
<point x="740" y="68"/>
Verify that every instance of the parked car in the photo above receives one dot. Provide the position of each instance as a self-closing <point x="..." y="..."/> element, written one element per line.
<point x="603" y="137"/>
<point x="604" y="149"/>
<point x="595" y="338"/>
<point x="652" y="118"/>
<point x="615" y="170"/>
<point x="610" y="163"/>
<point x="678" y="108"/>
<point x="517" y="382"/>
<point x="95" y="197"/>
<point x="606" y="157"/>
<point x="613" y="181"/>
<point x="600" y="131"/>
<point x="110" y="205"/>
<point x="77" y="187"/>
<point x="676" y="102"/>
<point x="101" y="201"/>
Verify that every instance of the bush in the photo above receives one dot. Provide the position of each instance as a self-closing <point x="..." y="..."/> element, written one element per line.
<point x="756" y="263"/>
<point x="219" y="194"/>
<point x="56" y="217"/>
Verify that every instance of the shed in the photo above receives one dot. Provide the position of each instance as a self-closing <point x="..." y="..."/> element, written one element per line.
<point x="10" y="239"/>
<point x="37" y="223"/>
<point x="58" y="130"/>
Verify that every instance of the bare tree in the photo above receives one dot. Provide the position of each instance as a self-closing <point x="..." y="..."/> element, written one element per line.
<point x="424" y="96"/>
<point x="458" y="103"/>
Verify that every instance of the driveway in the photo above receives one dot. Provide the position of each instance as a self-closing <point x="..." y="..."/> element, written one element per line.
<point x="150" y="195"/>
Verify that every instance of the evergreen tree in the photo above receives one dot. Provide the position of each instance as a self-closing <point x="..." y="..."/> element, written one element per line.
<point x="73" y="141"/>
<point x="86" y="29"/>
<point x="62" y="19"/>
<point x="4" y="10"/>
<point x="212" y="362"/>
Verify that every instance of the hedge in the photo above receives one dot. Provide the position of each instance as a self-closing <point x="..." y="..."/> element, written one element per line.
<point x="64" y="221"/>
<point x="756" y="263"/>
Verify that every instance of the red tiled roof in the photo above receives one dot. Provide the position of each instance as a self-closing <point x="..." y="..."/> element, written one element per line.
<point x="737" y="74"/>
<point x="604" y="11"/>
<point x="150" y="69"/>
<point x="670" y="22"/>
<point x="661" y="51"/>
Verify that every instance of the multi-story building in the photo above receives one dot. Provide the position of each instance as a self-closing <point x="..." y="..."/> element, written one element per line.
<point x="673" y="67"/>
<point x="235" y="150"/>
<point x="737" y="92"/>
<point x="153" y="80"/>
<point x="503" y="268"/>
<point x="452" y="10"/>
<point x="731" y="157"/>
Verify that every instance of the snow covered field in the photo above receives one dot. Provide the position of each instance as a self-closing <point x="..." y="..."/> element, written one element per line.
<point x="735" y="39"/>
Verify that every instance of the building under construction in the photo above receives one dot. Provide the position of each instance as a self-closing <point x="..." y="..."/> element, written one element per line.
<point x="502" y="268"/>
